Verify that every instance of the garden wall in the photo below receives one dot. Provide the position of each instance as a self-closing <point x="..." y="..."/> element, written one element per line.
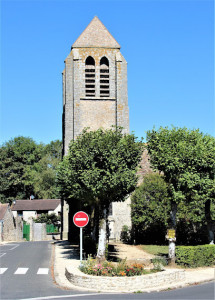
<point x="134" y="283"/>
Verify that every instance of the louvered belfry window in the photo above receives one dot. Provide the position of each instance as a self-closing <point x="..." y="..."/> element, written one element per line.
<point x="90" y="77"/>
<point x="104" y="77"/>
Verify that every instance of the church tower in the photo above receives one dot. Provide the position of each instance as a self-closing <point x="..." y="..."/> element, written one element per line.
<point x="95" y="96"/>
<point x="94" y="84"/>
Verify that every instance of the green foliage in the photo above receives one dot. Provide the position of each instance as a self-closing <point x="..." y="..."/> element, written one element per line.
<point x="125" y="236"/>
<point x="112" y="269"/>
<point x="16" y="155"/>
<point x="159" y="263"/>
<point x="42" y="174"/>
<point x="150" y="208"/>
<point x="100" y="167"/>
<point x="190" y="233"/>
<point x="195" y="256"/>
<point x="27" y="168"/>
<point x="187" y="160"/>
<point x="48" y="219"/>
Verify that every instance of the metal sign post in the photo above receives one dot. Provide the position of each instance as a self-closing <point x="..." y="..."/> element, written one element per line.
<point x="81" y="219"/>
<point x="81" y="247"/>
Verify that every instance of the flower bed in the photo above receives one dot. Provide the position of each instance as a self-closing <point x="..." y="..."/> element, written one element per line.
<point x="114" y="269"/>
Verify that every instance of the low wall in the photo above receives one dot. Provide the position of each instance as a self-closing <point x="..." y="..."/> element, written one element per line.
<point x="126" y="284"/>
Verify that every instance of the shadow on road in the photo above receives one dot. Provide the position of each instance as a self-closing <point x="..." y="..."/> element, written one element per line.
<point x="70" y="251"/>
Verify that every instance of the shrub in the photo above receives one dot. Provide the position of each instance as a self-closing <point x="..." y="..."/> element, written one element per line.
<point x="195" y="256"/>
<point x="159" y="263"/>
<point x="48" y="219"/>
<point x="125" y="234"/>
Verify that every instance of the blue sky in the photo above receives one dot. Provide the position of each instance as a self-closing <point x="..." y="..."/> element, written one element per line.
<point x="169" y="47"/>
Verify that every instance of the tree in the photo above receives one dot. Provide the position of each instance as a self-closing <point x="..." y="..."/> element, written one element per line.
<point x="16" y="155"/>
<point x="150" y="209"/>
<point x="187" y="160"/>
<point x="99" y="169"/>
<point x="48" y="219"/>
<point x="28" y="168"/>
<point x="42" y="175"/>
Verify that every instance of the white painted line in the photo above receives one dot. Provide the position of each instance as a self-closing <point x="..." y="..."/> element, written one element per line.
<point x="43" y="271"/>
<point x="80" y="219"/>
<point x="67" y="296"/>
<point x="2" y="254"/>
<point x="21" y="271"/>
<point x="14" y="247"/>
<point x="2" y="270"/>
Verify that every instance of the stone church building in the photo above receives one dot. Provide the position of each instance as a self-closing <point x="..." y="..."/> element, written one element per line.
<point x="95" y="96"/>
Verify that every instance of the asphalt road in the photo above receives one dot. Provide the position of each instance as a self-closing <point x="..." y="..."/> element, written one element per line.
<point x="25" y="273"/>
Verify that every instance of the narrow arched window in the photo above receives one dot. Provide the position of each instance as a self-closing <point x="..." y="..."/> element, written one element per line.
<point x="90" y="77"/>
<point x="104" y="77"/>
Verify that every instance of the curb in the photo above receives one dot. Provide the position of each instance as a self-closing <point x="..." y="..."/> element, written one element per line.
<point x="61" y="280"/>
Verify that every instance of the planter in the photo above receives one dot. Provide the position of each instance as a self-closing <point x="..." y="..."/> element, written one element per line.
<point x="123" y="284"/>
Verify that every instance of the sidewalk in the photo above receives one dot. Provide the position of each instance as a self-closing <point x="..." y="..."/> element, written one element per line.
<point x="67" y="256"/>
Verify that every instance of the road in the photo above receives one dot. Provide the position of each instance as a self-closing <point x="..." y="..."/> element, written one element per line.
<point x="25" y="273"/>
<point x="25" y="270"/>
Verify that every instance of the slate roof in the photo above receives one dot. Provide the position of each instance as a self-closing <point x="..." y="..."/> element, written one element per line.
<point x="96" y="35"/>
<point x="3" y="209"/>
<point x="36" y="204"/>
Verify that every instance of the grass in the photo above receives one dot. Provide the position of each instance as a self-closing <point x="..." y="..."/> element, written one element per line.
<point x="155" y="249"/>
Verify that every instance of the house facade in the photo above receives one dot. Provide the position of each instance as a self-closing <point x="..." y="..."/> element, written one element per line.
<point x="29" y="209"/>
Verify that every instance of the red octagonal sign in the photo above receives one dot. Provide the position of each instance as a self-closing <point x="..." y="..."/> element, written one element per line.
<point x="80" y="219"/>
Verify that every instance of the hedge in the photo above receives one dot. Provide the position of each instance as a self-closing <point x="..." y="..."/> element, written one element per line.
<point x="195" y="256"/>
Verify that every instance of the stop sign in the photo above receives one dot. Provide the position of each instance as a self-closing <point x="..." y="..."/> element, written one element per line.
<point x="80" y="219"/>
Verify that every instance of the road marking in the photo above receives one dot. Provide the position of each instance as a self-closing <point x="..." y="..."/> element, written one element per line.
<point x="67" y="296"/>
<point x="43" y="271"/>
<point x="21" y="271"/>
<point x="2" y="270"/>
<point x="14" y="247"/>
<point x="2" y="254"/>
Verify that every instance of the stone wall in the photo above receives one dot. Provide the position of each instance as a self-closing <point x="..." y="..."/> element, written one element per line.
<point x="121" y="216"/>
<point x="9" y="229"/>
<point x="144" y="167"/>
<point x="96" y="112"/>
<point x="123" y="284"/>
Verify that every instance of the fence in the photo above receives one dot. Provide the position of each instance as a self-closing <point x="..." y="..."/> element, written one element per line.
<point x="50" y="228"/>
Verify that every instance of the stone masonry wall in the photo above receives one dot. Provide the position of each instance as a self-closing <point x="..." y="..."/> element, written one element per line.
<point x="92" y="110"/>
<point x="95" y="112"/>
<point x="124" y="284"/>
<point x="9" y="230"/>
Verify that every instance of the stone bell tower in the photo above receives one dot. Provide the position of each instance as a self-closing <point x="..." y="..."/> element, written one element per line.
<point x="94" y="86"/>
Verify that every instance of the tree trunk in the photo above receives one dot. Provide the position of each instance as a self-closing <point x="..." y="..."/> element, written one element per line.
<point x="210" y="222"/>
<point x="172" y="241"/>
<point x="172" y="252"/>
<point x="102" y="237"/>
<point x="95" y="223"/>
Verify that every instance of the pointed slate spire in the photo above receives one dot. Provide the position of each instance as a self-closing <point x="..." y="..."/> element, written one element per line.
<point x="96" y="35"/>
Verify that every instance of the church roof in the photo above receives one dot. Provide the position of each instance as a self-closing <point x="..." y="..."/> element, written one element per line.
<point x="96" y="35"/>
